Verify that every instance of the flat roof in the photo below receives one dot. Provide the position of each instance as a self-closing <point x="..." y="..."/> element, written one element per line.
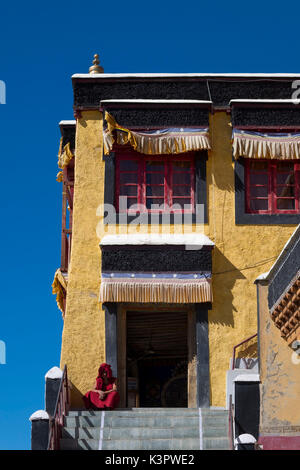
<point x="179" y="75"/>
<point x="157" y="101"/>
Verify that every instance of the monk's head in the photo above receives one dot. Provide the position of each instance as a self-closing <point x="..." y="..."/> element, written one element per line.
<point x="105" y="371"/>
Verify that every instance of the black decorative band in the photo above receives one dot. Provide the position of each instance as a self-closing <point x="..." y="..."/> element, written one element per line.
<point x="68" y="135"/>
<point x="161" y="117"/>
<point x="285" y="273"/>
<point x="266" y="116"/>
<point x="89" y="92"/>
<point x="155" y="259"/>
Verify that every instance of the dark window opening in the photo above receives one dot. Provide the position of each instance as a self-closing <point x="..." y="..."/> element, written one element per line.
<point x="272" y="186"/>
<point x="155" y="183"/>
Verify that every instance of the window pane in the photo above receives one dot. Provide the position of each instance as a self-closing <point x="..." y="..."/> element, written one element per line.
<point x="155" y="178"/>
<point x="181" y="190"/>
<point x="155" y="191"/>
<point x="285" y="191"/>
<point x="259" y="191"/>
<point x="131" y="202"/>
<point x="257" y="178"/>
<point x="128" y="178"/>
<point x="182" y="165"/>
<point x="258" y="165"/>
<point x="181" y="178"/>
<point x="128" y="165"/>
<point x="152" y="165"/>
<point x="128" y="190"/>
<point x="181" y="202"/>
<point x="157" y="201"/>
<point x="285" y="178"/>
<point x="259" y="204"/>
<point x="285" y="204"/>
<point x="284" y="167"/>
<point x="154" y="186"/>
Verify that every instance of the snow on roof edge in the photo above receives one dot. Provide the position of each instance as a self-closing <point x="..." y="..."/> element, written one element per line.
<point x="245" y="439"/>
<point x="262" y="277"/>
<point x="155" y="101"/>
<point x="39" y="414"/>
<point x="297" y="101"/>
<point x="196" y="239"/>
<point x="163" y="75"/>
<point x="247" y="378"/>
<point x="66" y="122"/>
<point x="54" y="373"/>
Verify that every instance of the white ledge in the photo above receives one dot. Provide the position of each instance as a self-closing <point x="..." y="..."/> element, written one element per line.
<point x="245" y="439"/>
<point x="262" y="277"/>
<point x="194" y="239"/>
<point x="200" y="75"/>
<point x="265" y="101"/>
<point x="157" y="101"/>
<point x="40" y="414"/>
<point x="247" y="378"/>
<point x="71" y="122"/>
<point x="54" y="373"/>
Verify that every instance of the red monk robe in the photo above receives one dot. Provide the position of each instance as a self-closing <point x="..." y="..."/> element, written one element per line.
<point x="105" y="383"/>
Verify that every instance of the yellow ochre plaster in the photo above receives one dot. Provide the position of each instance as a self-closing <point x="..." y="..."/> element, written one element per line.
<point x="279" y="375"/>
<point x="240" y="255"/>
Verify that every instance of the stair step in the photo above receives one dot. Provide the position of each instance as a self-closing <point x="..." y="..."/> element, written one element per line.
<point x="142" y="433"/>
<point x="146" y="429"/>
<point x="134" y="421"/>
<point x="128" y="414"/>
<point x="151" y="412"/>
<point x="216" y="443"/>
<point x="131" y="433"/>
<point x="145" y="444"/>
<point x="126" y="444"/>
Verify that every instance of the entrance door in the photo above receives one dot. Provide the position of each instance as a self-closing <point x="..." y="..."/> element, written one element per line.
<point x="157" y="359"/>
<point x="247" y="401"/>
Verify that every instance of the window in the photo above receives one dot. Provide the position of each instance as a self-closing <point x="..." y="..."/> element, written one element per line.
<point x="272" y="186"/>
<point x="155" y="183"/>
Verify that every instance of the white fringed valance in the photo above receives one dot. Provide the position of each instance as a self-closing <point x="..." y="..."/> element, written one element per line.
<point x="59" y="288"/>
<point x="256" y="145"/>
<point x="65" y="155"/>
<point x="163" y="141"/>
<point x="156" y="290"/>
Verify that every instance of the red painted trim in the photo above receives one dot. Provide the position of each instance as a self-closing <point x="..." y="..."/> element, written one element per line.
<point x="77" y="113"/>
<point x="280" y="442"/>
<point x="272" y="186"/>
<point x="167" y="160"/>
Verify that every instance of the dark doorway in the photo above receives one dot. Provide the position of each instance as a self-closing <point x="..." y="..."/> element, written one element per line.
<point x="157" y="359"/>
<point x="247" y="408"/>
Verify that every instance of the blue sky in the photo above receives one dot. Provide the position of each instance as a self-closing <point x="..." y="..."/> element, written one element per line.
<point x="41" y="46"/>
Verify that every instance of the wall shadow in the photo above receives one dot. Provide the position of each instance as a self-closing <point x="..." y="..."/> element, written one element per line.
<point x="76" y="399"/>
<point x="224" y="277"/>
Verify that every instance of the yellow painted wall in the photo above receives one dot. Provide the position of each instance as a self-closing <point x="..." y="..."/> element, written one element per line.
<point x="240" y="255"/>
<point x="280" y="376"/>
<point x="83" y="334"/>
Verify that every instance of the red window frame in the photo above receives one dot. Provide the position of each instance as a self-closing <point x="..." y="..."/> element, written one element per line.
<point x="168" y="181"/>
<point x="272" y="186"/>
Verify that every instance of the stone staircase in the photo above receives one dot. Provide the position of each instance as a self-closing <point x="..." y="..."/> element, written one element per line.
<point x="146" y="429"/>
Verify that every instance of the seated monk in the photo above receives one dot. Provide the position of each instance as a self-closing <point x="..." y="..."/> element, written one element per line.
<point x="105" y="395"/>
